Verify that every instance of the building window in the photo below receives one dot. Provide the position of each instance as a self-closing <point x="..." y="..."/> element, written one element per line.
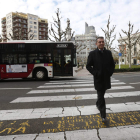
<point x="35" y="35"/>
<point x="35" y="31"/>
<point x="34" y="18"/>
<point x="30" y="17"/>
<point x="35" y="27"/>
<point x="31" y="26"/>
<point x="30" y="22"/>
<point x="34" y="22"/>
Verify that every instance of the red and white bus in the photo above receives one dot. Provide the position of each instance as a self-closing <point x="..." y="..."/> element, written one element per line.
<point x="37" y="59"/>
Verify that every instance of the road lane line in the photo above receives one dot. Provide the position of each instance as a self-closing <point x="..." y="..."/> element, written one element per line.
<point x="73" y="97"/>
<point x="13" y="88"/>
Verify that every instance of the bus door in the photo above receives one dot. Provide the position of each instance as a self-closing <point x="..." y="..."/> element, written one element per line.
<point x="62" y="62"/>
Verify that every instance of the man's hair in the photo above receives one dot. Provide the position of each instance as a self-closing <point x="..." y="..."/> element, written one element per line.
<point x="99" y="37"/>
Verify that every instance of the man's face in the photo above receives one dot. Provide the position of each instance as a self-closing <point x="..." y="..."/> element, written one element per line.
<point x="100" y="43"/>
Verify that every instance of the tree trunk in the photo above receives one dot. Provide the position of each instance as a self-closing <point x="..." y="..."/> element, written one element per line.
<point x="129" y="57"/>
<point x="125" y="59"/>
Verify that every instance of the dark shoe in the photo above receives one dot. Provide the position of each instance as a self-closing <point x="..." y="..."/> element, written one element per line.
<point x="103" y="119"/>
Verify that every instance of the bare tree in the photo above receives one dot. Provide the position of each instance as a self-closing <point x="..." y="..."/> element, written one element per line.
<point x="58" y="35"/>
<point x="130" y="40"/>
<point x="80" y="47"/>
<point x="20" y="35"/>
<point x="108" y="35"/>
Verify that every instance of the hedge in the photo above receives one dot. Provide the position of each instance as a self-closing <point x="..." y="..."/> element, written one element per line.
<point x="127" y="70"/>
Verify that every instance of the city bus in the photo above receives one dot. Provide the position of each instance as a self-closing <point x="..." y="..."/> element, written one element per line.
<point x="37" y="59"/>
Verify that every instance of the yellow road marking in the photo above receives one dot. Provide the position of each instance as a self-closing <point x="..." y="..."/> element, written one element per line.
<point x="68" y="123"/>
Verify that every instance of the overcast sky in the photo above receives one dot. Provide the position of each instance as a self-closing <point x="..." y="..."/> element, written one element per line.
<point x="94" y="12"/>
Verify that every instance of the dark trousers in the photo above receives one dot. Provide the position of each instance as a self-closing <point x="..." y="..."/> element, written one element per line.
<point x="101" y="102"/>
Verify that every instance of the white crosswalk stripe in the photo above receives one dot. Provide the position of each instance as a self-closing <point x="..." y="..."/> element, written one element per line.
<point x="65" y="111"/>
<point x="77" y="85"/>
<point x="73" y="97"/>
<point x="75" y="90"/>
<point x="79" y="82"/>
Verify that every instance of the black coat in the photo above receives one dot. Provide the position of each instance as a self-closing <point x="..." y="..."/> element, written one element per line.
<point x="101" y="66"/>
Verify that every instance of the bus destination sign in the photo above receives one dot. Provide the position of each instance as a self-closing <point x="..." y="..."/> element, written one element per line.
<point x="62" y="45"/>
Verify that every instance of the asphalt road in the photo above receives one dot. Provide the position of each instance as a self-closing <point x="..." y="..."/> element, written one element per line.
<point x="65" y="108"/>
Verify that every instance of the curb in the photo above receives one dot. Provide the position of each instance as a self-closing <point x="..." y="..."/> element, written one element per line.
<point x="80" y="68"/>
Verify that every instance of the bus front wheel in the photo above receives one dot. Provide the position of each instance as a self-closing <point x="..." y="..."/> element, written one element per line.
<point x="40" y="74"/>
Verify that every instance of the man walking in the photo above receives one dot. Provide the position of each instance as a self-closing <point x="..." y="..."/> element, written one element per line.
<point x="101" y="65"/>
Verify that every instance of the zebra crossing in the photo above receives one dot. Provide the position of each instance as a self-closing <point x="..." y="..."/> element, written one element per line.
<point x="67" y="91"/>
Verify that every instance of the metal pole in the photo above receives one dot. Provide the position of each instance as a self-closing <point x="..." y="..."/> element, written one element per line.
<point x="119" y="62"/>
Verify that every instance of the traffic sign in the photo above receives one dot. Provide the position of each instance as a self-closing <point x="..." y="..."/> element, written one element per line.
<point x="120" y="54"/>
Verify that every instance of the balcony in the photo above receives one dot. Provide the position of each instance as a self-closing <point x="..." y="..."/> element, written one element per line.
<point x="24" y="26"/>
<point x="14" y="21"/>
<point x="41" y="37"/>
<point x="4" y="29"/>
<point x="3" y="21"/>
<point x="4" y="38"/>
<point x="44" y="26"/>
<point x="24" y="22"/>
<point x="16" y="30"/>
<point x="42" y="30"/>
<point x="17" y="25"/>
<point x="16" y="16"/>
<point x="42" y="34"/>
<point x="17" y="34"/>
<point x="25" y="31"/>
<point x="4" y="33"/>
<point x="3" y="25"/>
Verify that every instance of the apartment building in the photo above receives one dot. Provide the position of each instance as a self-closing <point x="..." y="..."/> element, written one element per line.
<point x="135" y="50"/>
<point x="86" y="41"/>
<point x="14" y="22"/>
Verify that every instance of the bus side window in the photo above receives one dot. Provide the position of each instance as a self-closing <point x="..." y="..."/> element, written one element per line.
<point x="9" y="59"/>
<point x="32" y="57"/>
<point x="22" y="59"/>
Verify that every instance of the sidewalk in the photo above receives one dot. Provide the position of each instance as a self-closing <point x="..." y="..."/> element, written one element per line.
<point x="83" y="73"/>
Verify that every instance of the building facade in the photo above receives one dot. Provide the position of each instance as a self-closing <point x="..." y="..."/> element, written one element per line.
<point x="135" y="51"/>
<point x="14" y="21"/>
<point x="87" y="41"/>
